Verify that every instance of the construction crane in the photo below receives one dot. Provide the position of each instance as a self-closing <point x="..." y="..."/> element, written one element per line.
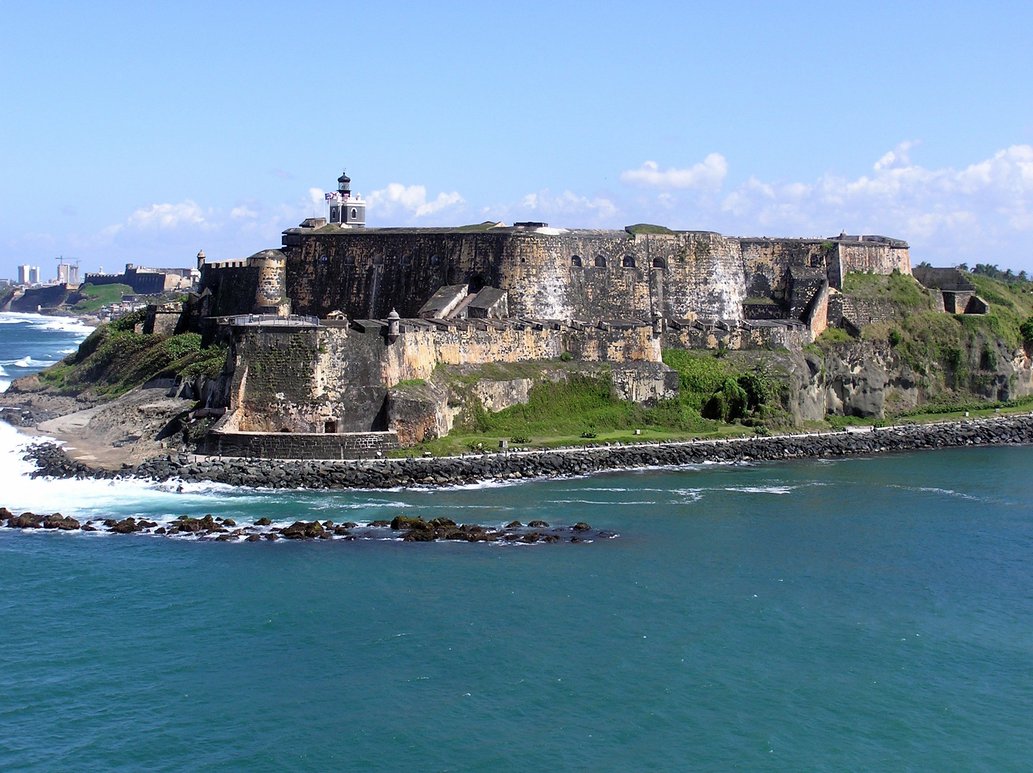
<point x="65" y="275"/>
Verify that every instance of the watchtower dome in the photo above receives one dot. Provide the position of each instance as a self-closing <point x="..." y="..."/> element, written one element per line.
<point x="346" y="210"/>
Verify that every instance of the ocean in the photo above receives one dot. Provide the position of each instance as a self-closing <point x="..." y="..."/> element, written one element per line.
<point x="862" y="614"/>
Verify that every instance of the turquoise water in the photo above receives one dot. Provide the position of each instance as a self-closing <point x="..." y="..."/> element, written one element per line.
<point x="848" y="615"/>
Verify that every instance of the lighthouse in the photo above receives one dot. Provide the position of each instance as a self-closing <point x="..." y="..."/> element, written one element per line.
<point x="346" y="210"/>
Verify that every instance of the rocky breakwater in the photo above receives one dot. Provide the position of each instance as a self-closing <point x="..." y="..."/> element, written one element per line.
<point x="392" y="473"/>
<point x="404" y="528"/>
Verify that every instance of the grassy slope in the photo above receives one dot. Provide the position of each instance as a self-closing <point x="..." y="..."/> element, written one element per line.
<point x="95" y="297"/>
<point x="582" y="410"/>
<point x="953" y="355"/>
<point x="114" y="358"/>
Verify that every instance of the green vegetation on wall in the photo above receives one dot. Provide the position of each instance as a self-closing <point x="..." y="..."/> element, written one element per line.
<point x="115" y="358"/>
<point x="647" y="228"/>
<point x="577" y="405"/>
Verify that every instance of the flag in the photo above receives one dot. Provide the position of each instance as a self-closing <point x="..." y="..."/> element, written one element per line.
<point x="329" y="196"/>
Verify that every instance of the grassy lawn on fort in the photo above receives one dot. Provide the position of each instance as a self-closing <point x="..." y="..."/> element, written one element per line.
<point x="719" y="396"/>
<point x="95" y="297"/>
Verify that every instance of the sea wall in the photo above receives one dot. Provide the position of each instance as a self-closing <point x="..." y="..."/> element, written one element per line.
<point x="282" y="445"/>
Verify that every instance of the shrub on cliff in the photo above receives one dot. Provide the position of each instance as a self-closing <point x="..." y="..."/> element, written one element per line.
<point x="1026" y="329"/>
<point x="115" y="358"/>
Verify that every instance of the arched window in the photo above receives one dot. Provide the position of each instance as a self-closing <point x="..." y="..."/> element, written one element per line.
<point x="659" y="263"/>
<point x="575" y="260"/>
<point x="355" y="213"/>
<point x="629" y="261"/>
<point x="600" y="261"/>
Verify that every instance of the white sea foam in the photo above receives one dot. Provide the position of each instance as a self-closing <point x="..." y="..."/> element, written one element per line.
<point x="762" y="489"/>
<point x="43" y="322"/>
<point x="2" y="371"/>
<point x="4" y="383"/>
<point x="936" y="490"/>
<point x="600" y="502"/>
<point x="690" y="494"/>
<point x="86" y="498"/>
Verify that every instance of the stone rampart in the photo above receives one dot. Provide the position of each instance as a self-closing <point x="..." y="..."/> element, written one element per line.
<point x="563" y="275"/>
<point x="232" y="288"/>
<point x="37" y="298"/>
<point x="559" y="276"/>
<point x="145" y="281"/>
<point x="749" y="334"/>
<point x="336" y="379"/>
<point x="858" y="312"/>
<point x="868" y="254"/>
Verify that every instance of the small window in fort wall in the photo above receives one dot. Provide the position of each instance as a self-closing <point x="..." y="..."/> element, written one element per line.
<point x="659" y="263"/>
<point x="600" y="261"/>
<point x="355" y="213"/>
<point x="330" y="427"/>
<point x="629" y="262"/>
<point x="575" y="260"/>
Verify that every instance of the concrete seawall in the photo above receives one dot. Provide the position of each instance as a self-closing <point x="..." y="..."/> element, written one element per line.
<point x="390" y="473"/>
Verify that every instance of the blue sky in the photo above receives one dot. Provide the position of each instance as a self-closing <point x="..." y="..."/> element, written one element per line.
<point x="139" y="132"/>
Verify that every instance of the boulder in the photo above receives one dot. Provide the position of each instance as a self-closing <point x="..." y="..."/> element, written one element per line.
<point x="60" y="522"/>
<point x="25" y="521"/>
<point x="303" y="530"/>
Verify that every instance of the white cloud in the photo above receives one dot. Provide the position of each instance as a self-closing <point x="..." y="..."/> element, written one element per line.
<point x="567" y="204"/>
<point x="898" y="157"/>
<point x="709" y="173"/>
<point x="243" y="212"/>
<point x="168" y="216"/>
<point x="982" y="211"/>
<point x="411" y="200"/>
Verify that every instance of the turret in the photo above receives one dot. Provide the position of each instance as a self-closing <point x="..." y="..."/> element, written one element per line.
<point x="271" y="292"/>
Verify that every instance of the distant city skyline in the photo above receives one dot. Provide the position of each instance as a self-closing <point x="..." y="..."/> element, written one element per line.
<point x="145" y="133"/>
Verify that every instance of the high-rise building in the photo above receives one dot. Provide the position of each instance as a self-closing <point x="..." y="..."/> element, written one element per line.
<point x="28" y="275"/>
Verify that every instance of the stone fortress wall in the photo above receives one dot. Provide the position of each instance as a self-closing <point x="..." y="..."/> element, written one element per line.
<point x="604" y="297"/>
<point x="338" y="378"/>
<point x="147" y="281"/>
<point x="554" y="274"/>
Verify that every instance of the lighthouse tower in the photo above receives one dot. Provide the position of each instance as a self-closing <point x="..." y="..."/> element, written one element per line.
<point x="345" y="209"/>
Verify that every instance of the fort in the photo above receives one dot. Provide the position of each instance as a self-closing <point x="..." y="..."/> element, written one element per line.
<point x="339" y="332"/>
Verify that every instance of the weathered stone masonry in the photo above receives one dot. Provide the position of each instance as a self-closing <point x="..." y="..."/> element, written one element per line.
<point x="563" y="274"/>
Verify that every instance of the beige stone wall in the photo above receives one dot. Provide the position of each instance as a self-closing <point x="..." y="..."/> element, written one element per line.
<point x="874" y="257"/>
